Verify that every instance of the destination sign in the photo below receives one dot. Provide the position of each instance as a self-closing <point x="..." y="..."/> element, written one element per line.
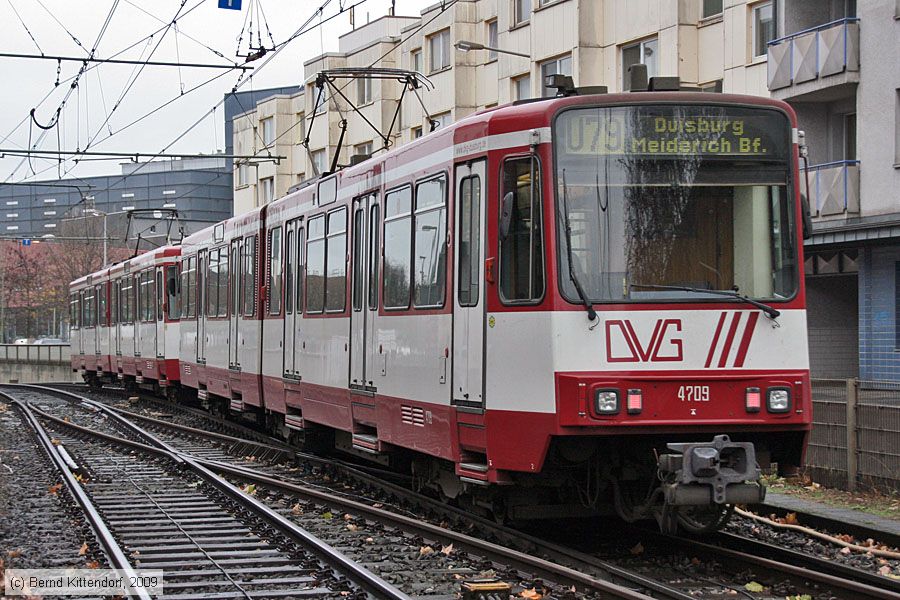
<point x="651" y="131"/>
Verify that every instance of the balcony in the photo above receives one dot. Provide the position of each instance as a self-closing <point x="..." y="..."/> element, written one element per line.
<point x="817" y="63"/>
<point x="834" y="188"/>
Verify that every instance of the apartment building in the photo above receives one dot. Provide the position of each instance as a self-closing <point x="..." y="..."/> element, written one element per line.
<point x="837" y="63"/>
<point x="713" y="44"/>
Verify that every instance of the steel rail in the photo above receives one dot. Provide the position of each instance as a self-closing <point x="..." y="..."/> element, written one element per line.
<point x="810" y="567"/>
<point x="801" y="559"/>
<point x="367" y="580"/>
<point x="114" y="552"/>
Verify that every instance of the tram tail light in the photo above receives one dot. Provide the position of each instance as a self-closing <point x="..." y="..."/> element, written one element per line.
<point x="753" y="399"/>
<point x="634" y="402"/>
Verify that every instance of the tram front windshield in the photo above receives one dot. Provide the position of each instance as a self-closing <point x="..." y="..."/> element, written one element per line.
<point x="674" y="196"/>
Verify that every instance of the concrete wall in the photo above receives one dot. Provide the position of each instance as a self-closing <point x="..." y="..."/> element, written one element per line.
<point x="36" y="373"/>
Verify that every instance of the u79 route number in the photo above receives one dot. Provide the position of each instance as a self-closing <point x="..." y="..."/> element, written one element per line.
<point x="693" y="393"/>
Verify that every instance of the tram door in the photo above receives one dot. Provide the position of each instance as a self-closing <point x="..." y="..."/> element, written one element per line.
<point x="293" y="300"/>
<point x="468" y="299"/>
<point x="364" y="291"/>
<point x="234" y="361"/>
<point x="98" y="307"/>
<point x="201" y="306"/>
<point x="159" y="330"/>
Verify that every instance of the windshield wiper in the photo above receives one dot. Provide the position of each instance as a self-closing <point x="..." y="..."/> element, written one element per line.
<point x="770" y="312"/>
<point x="592" y="314"/>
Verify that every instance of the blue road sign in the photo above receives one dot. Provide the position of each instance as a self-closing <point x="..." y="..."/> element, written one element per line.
<point x="26" y="242"/>
<point x="230" y="4"/>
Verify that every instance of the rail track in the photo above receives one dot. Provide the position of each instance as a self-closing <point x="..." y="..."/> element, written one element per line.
<point x="781" y="569"/>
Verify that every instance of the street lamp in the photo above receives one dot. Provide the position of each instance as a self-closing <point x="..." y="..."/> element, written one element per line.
<point x="98" y="213"/>
<point x="466" y="46"/>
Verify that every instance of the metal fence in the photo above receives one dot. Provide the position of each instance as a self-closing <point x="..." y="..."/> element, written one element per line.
<point x="856" y="433"/>
<point x="51" y="354"/>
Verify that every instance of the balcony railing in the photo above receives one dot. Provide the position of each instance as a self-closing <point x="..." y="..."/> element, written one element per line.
<point x="814" y="53"/>
<point x="834" y="188"/>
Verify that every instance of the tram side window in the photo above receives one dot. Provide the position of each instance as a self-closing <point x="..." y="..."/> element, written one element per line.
<point x="114" y="302"/>
<point x="147" y="296"/>
<point x="124" y="291"/>
<point x="275" y="272"/>
<point x="222" y="284"/>
<point x="289" y="273"/>
<point x="315" y="265"/>
<point x="374" y="255"/>
<point x="73" y="311"/>
<point x="336" y="261"/>
<point x="160" y="295"/>
<point x="101" y="305"/>
<point x="212" y="283"/>
<point x="430" y="250"/>
<point x="173" y="294"/>
<point x="397" y="248"/>
<point x="187" y="296"/>
<point x="469" y="277"/>
<point x="249" y="276"/>
<point x="299" y="268"/>
<point x="522" y="248"/>
<point x="358" y="264"/>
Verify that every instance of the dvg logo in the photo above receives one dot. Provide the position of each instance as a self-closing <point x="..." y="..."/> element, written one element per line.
<point x="624" y="345"/>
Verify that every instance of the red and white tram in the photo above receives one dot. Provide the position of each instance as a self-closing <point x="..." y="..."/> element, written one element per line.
<point x="558" y="307"/>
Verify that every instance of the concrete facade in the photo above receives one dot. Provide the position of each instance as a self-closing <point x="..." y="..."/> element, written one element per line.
<point x="199" y="189"/>
<point x="838" y="64"/>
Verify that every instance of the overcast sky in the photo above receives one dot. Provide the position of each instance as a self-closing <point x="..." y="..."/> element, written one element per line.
<point x="28" y="82"/>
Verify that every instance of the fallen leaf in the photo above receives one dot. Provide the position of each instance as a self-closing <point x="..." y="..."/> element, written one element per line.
<point x="754" y="587"/>
<point x="14" y="553"/>
<point x="327" y="516"/>
<point x="446" y="550"/>
<point x="791" y="519"/>
<point x="845" y="551"/>
<point x="637" y="549"/>
<point x="83" y="550"/>
<point x="249" y="489"/>
<point x="531" y="594"/>
<point x="348" y="516"/>
<point x="94" y="564"/>
<point x="297" y="509"/>
<point x="370" y="540"/>
<point x="377" y="505"/>
<point x="55" y="441"/>
<point x="695" y="561"/>
<point x="885" y="570"/>
<point x="352" y="527"/>
<point x="426" y="550"/>
<point x="54" y="488"/>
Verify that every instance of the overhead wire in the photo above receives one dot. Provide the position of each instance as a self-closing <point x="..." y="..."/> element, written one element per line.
<point x="28" y="31"/>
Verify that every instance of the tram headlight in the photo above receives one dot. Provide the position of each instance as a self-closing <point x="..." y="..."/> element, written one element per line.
<point x="606" y="402"/>
<point x="778" y="400"/>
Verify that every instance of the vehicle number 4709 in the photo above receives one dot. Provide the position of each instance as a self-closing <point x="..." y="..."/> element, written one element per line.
<point x="693" y="393"/>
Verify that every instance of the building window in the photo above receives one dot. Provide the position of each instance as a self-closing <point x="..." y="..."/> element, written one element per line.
<point x="521" y="11"/>
<point x="493" y="39"/>
<point x="243" y="177"/>
<point x="897" y="305"/>
<point x="415" y="60"/>
<point x="850" y="136"/>
<point x="268" y="189"/>
<point x="443" y="120"/>
<point x="430" y="243"/>
<point x="365" y="149"/>
<point x="318" y="161"/>
<point x="897" y="127"/>
<point x="397" y="246"/>
<point x="643" y="53"/>
<point x="439" y="46"/>
<point x="763" y="28"/>
<point x="416" y="133"/>
<point x="363" y="90"/>
<point x="522" y="248"/>
<point x="561" y="66"/>
<point x="268" y="131"/>
<point x="12" y="215"/>
<point x="522" y="87"/>
<point x="710" y="8"/>
<point x="323" y="101"/>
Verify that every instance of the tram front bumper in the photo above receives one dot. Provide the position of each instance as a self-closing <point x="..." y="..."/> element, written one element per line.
<point x="716" y="472"/>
